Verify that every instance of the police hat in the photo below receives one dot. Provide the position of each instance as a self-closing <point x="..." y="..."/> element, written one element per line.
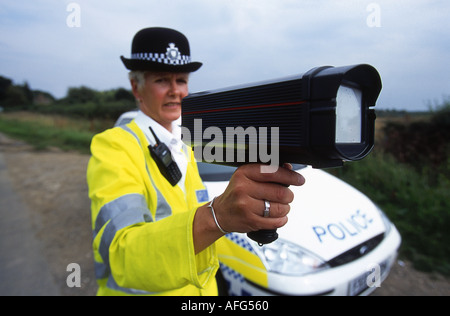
<point x="160" y="49"/>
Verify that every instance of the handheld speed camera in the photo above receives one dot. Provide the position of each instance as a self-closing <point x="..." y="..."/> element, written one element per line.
<point x="322" y="118"/>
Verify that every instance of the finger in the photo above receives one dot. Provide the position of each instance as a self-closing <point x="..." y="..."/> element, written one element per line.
<point x="278" y="210"/>
<point x="269" y="223"/>
<point x="272" y="192"/>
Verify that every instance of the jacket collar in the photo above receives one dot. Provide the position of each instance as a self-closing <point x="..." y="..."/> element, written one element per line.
<point x="172" y="140"/>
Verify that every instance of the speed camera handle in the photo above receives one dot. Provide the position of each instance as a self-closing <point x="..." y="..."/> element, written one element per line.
<point x="265" y="236"/>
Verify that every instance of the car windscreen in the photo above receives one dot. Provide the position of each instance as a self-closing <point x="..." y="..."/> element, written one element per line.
<point x="124" y="121"/>
<point x="212" y="172"/>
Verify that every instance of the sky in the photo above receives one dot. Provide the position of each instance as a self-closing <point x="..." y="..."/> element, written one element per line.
<point x="57" y="44"/>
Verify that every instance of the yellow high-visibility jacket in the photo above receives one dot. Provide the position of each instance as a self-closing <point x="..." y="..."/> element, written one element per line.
<point x="142" y="225"/>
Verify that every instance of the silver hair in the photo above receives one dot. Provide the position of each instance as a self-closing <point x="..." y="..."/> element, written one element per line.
<point x="138" y="77"/>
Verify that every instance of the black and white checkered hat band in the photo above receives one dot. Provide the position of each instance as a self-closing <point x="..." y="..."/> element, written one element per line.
<point x="162" y="58"/>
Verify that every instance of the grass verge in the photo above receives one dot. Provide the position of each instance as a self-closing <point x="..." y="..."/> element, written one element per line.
<point x="416" y="201"/>
<point x="42" y="136"/>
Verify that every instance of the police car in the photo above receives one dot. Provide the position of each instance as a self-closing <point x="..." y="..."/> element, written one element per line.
<point x="337" y="241"/>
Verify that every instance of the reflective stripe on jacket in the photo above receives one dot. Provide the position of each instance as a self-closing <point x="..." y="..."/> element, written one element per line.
<point x="142" y="226"/>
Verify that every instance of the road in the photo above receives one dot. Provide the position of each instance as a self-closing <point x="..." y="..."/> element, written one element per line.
<point x="45" y="226"/>
<point x="45" y="223"/>
<point x="24" y="271"/>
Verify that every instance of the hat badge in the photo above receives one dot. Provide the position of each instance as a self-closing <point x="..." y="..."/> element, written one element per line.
<point x="173" y="53"/>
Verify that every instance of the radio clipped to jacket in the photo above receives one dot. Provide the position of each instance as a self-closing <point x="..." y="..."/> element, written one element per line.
<point x="163" y="158"/>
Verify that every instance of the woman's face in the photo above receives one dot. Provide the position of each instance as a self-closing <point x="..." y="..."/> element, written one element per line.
<point x="161" y="97"/>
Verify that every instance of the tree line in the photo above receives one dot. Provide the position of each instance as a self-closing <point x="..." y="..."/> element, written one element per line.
<point x="81" y="101"/>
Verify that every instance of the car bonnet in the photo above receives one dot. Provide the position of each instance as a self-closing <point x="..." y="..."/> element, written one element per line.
<point x="329" y="217"/>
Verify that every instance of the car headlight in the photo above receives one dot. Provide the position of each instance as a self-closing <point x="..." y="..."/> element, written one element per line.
<point x="286" y="258"/>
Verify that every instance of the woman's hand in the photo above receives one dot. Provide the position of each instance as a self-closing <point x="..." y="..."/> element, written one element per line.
<point x="241" y="207"/>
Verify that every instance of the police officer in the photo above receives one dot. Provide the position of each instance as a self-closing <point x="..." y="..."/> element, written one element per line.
<point x="154" y="226"/>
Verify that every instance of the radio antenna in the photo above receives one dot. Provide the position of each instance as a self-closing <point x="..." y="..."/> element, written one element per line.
<point x="154" y="135"/>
